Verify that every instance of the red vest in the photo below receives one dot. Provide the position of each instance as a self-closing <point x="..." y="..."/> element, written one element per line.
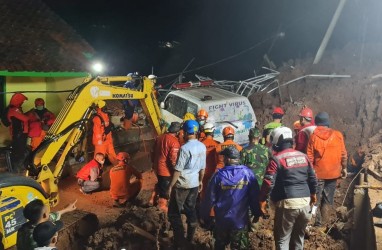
<point x="84" y="173"/>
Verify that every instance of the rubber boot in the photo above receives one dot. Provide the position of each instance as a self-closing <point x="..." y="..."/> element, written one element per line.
<point x="162" y="205"/>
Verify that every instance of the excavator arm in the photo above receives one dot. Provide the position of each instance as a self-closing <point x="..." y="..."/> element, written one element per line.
<point x="70" y="124"/>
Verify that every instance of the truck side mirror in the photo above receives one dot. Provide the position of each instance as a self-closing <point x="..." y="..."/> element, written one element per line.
<point x="162" y="105"/>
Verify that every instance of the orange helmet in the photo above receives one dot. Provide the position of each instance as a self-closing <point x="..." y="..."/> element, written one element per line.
<point x="202" y="112"/>
<point x="307" y="113"/>
<point x="278" y="110"/>
<point x="121" y="156"/>
<point x="39" y="102"/>
<point x="228" y="131"/>
<point x="297" y="125"/>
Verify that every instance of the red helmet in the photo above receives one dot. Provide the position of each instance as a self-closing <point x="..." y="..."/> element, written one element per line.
<point x="228" y="131"/>
<point x="121" y="156"/>
<point x="39" y="102"/>
<point x="306" y="113"/>
<point x="202" y="112"/>
<point x="278" y="110"/>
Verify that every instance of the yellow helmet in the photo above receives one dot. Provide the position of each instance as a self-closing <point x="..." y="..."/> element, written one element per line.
<point x="188" y="116"/>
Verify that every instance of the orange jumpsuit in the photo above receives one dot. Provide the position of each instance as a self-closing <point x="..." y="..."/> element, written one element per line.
<point x="221" y="147"/>
<point x="121" y="189"/>
<point x="102" y="138"/>
<point x="211" y="161"/>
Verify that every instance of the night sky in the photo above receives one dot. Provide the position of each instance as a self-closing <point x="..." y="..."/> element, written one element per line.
<point x="127" y="34"/>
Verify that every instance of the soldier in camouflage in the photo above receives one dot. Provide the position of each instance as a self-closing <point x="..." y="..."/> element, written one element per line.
<point x="255" y="155"/>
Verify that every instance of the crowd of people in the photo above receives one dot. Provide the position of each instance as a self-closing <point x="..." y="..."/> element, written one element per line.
<point x="224" y="186"/>
<point x="228" y="188"/>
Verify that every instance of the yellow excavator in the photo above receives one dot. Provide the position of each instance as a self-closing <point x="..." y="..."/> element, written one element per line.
<point x="68" y="129"/>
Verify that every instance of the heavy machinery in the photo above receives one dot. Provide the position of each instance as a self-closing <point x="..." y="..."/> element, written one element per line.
<point x="45" y="164"/>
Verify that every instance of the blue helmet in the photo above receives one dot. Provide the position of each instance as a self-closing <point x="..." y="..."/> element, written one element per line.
<point x="190" y="127"/>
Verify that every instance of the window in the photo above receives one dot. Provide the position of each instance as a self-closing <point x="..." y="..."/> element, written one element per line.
<point x="179" y="106"/>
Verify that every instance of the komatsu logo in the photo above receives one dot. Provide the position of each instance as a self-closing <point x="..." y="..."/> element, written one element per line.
<point x="122" y="96"/>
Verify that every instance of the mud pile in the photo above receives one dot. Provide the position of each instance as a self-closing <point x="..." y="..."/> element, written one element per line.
<point x="354" y="104"/>
<point x="120" y="234"/>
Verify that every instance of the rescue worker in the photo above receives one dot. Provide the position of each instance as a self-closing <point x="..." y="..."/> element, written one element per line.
<point x="326" y="150"/>
<point x="186" y="117"/>
<point x="40" y="120"/>
<point x="211" y="156"/>
<point x="129" y="105"/>
<point x="164" y="157"/>
<point x="229" y="136"/>
<point x="201" y="119"/>
<point x="88" y="176"/>
<point x="37" y="212"/>
<point x="307" y="128"/>
<point x="102" y="136"/>
<point x="232" y="191"/>
<point x="296" y="127"/>
<point x="255" y="155"/>
<point x="18" y="130"/>
<point x="186" y="183"/>
<point x="291" y="182"/>
<point x="277" y="116"/>
<point x="121" y="189"/>
<point x="356" y="160"/>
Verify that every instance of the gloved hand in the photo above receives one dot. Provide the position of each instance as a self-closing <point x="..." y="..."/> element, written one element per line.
<point x="344" y="173"/>
<point x="313" y="199"/>
<point x="263" y="209"/>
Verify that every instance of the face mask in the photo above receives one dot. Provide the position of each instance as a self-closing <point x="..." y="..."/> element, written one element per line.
<point x="39" y="107"/>
<point x="101" y="162"/>
<point x="202" y="122"/>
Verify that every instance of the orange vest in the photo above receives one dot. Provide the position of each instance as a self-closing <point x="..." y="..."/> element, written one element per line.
<point x="221" y="147"/>
<point x="99" y="136"/>
<point x="211" y="156"/>
<point x="84" y="173"/>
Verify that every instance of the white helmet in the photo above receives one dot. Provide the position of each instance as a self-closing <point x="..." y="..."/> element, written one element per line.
<point x="280" y="134"/>
<point x="209" y="127"/>
<point x="151" y="77"/>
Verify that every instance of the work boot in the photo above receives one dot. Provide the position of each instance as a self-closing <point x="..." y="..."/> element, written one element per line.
<point x="162" y="205"/>
<point x="179" y="239"/>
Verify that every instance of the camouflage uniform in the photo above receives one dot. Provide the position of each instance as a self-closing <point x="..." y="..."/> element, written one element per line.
<point x="255" y="156"/>
<point x="239" y="239"/>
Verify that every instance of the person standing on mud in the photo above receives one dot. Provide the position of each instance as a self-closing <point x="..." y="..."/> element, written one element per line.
<point x="232" y="191"/>
<point x="291" y="182"/>
<point x="102" y="135"/>
<point x="228" y="136"/>
<point x="326" y="150"/>
<point x="255" y="155"/>
<point x="186" y="184"/>
<point x="164" y="157"/>
<point x="307" y="128"/>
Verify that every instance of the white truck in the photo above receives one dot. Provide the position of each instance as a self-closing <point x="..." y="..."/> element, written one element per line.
<point x="224" y="109"/>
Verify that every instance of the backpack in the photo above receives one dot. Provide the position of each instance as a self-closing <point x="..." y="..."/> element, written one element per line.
<point x="4" y="117"/>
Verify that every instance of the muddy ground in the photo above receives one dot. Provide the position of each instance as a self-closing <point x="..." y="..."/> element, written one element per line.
<point x="355" y="107"/>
